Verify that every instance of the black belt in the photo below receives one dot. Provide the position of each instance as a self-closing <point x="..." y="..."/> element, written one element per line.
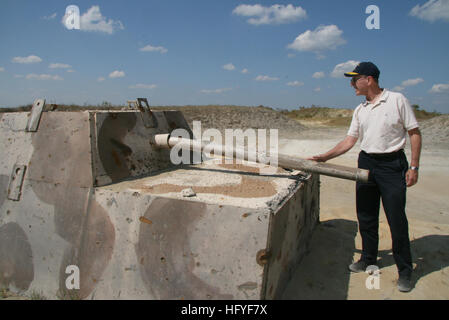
<point x="385" y="156"/>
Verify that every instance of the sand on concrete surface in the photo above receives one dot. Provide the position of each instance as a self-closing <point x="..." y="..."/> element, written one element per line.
<point x="336" y="243"/>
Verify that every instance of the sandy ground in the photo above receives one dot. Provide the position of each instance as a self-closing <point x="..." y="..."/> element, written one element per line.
<point x="336" y="243"/>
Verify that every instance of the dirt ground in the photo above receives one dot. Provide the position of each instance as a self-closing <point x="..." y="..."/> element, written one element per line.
<point x="336" y="243"/>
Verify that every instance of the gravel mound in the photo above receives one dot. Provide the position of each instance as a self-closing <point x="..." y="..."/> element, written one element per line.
<point x="436" y="130"/>
<point x="236" y="117"/>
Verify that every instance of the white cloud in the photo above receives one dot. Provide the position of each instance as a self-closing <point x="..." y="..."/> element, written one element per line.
<point x="440" y="88"/>
<point x="59" y="66"/>
<point x="295" y="84"/>
<point x="341" y="68"/>
<point x="321" y="39"/>
<point x="29" y="59"/>
<point x="398" y="88"/>
<point x="143" y="86"/>
<point x="151" y="48"/>
<point x="116" y="74"/>
<point x="318" y="75"/>
<point x="411" y="82"/>
<point x="70" y="70"/>
<point x="408" y="83"/>
<point x="217" y="91"/>
<point x="276" y="14"/>
<point x="100" y="79"/>
<point x="432" y="10"/>
<point x="50" y="17"/>
<point x="266" y="78"/>
<point x="317" y="89"/>
<point x="2" y="69"/>
<point x="33" y="76"/>
<point x="249" y="10"/>
<point x="229" y="67"/>
<point x="244" y="71"/>
<point x="93" y="20"/>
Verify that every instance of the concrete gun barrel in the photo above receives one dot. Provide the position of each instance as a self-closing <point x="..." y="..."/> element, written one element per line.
<point x="284" y="161"/>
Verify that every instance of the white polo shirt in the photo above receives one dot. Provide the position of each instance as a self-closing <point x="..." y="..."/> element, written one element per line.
<point x="382" y="127"/>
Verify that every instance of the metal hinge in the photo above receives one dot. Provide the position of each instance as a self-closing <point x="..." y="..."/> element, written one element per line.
<point x="149" y="120"/>
<point x="35" y="115"/>
<point x="15" y="182"/>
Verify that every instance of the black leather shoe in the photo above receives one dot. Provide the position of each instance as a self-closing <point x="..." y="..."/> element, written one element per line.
<point x="404" y="284"/>
<point x="359" y="266"/>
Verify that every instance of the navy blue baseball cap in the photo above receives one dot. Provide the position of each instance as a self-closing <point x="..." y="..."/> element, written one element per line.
<point x="366" y="69"/>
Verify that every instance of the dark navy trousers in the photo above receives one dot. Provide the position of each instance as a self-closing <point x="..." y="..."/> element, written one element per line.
<point x="386" y="183"/>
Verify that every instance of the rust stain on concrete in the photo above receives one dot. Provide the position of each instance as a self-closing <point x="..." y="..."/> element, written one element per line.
<point x="167" y="260"/>
<point x="112" y="150"/>
<point x="145" y="220"/>
<point x="16" y="265"/>
<point x="116" y="158"/>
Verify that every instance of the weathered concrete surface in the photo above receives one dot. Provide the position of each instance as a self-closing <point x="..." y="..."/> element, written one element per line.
<point x="97" y="196"/>
<point x="120" y="144"/>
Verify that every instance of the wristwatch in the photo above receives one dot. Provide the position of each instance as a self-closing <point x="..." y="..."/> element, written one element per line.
<point x="414" y="168"/>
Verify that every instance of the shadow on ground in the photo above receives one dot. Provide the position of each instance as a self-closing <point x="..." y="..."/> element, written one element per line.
<point x="323" y="272"/>
<point x="429" y="253"/>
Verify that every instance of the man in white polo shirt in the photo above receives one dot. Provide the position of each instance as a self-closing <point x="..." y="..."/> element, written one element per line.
<point x="382" y="123"/>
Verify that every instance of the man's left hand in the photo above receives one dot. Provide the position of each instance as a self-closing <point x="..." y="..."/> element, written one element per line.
<point x="411" y="177"/>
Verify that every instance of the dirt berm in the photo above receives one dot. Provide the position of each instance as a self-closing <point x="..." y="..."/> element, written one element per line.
<point x="236" y="117"/>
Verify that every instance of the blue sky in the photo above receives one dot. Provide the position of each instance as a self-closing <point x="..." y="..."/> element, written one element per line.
<point x="282" y="54"/>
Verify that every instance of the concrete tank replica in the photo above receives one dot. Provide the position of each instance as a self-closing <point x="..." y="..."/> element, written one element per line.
<point x="83" y="190"/>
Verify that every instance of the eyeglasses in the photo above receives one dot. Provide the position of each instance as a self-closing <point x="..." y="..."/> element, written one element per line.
<point x="357" y="78"/>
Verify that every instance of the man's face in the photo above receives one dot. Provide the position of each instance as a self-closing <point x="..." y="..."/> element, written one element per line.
<point x="360" y="84"/>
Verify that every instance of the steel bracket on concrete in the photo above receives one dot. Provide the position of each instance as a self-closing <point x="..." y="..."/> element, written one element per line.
<point x="15" y="182"/>
<point x="132" y="104"/>
<point x="149" y="120"/>
<point x="35" y="115"/>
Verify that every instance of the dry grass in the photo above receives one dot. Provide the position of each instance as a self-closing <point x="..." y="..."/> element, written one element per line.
<point x="423" y="114"/>
<point x="36" y="295"/>
<point x="4" y="293"/>
<point x="336" y="117"/>
<point x="321" y="116"/>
